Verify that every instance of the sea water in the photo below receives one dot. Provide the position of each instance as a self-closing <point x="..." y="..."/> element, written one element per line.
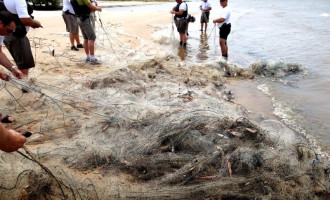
<point x="292" y="31"/>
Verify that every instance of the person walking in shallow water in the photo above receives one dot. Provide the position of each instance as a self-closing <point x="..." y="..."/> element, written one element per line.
<point x="224" y="25"/>
<point x="205" y="7"/>
<point x="181" y="12"/>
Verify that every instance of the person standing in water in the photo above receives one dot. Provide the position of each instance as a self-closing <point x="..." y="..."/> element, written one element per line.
<point x="181" y="12"/>
<point x="205" y="7"/>
<point x="224" y="25"/>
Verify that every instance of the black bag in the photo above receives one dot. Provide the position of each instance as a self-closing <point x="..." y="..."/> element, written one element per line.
<point x="20" y="30"/>
<point x="80" y="10"/>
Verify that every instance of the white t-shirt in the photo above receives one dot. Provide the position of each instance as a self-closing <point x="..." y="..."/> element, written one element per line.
<point x="226" y="15"/>
<point x="205" y="5"/>
<point x="67" y="6"/>
<point x="183" y="6"/>
<point x="18" y="7"/>
<point x="1" y="40"/>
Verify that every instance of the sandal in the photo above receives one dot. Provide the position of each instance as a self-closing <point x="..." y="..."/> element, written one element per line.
<point x="6" y="119"/>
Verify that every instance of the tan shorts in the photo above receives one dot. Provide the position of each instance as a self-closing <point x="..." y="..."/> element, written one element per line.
<point x="71" y="23"/>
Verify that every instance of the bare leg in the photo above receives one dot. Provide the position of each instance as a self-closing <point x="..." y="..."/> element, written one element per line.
<point x="224" y="47"/>
<point x="91" y="47"/>
<point x="71" y="36"/>
<point x="86" y="46"/>
<point x="183" y="37"/>
<point x="76" y="38"/>
<point x="205" y="26"/>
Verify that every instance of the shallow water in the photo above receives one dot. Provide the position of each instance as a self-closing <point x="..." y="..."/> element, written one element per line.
<point x="289" y="31"/>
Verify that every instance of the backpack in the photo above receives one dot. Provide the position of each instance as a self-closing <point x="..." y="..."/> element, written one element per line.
<point x="80" y="10"/>
<point x="20" y="30"/>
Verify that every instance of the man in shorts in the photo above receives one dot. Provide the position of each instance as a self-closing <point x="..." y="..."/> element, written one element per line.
<point x="19" y="45"/>
<point x="7" y="27"/>
<point x="181" y="12"/>
<point x="205" y="7"/>
<point x="224" y="25"/>
<point x="83" y="9"/>
<point x="70" y="20"/>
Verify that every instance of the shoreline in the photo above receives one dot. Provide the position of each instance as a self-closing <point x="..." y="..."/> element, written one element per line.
<point x="145" y="124"/>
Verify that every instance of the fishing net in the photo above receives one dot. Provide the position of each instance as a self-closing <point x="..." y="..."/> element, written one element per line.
<point x="153" y="128"/>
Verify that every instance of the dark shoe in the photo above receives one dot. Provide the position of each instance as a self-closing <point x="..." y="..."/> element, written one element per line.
<point x="80" y="46"/>
<point x="74" y="48"/>
<point x="187" y="34"/>
<point x="184" y="44"/>
<point x="6" y="119"/>
<point x="181" y="43"/>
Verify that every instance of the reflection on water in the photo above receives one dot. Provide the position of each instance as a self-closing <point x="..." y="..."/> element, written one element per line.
<point x="203" y="47"/>
<point x="182" y="52"/>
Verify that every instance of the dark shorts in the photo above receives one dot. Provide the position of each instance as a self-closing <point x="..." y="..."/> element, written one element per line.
<point x="224" y="31"/>
<point x="181" y="25"/>
<point x="20" y="50"/>
<point x="86" y="29"/>
<point x="71" y="23"/>
<point x="205" y="17"/>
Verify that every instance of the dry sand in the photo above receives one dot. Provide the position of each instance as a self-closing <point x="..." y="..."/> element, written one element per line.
<point x="143" y="125"/>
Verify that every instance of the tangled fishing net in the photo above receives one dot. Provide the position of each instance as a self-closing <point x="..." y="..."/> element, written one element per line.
<point x="155" y="128"/>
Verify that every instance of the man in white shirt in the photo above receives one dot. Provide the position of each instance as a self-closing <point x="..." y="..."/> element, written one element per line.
<point x="205" y="7"/>
<point x="71" y="24"/>
<point x="19" y="45"/>
<point x="224" y="25"/>
<point x="7" y="27"/>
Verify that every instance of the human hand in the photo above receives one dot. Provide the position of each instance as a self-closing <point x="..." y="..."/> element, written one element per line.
<point x="4" y="76"/>
<point x="14" y="142"/>
<point x="36" y="24"/>
<point x="17" y="73"/>
<point x="100" y="9"/>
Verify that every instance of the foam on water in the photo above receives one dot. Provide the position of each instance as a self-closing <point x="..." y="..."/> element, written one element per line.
<point x="290" y="118"/>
